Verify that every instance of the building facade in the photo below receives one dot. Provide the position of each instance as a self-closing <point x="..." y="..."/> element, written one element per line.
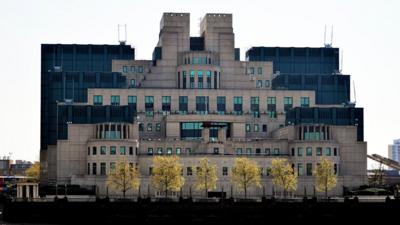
<point x="196" y="99"/>
<point x="394" y="150"/>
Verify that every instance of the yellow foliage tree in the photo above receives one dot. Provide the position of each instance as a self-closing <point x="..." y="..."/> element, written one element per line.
<point x="33" y="172"/>
<point x="124" y="177"/>
<point x="283" y="175"/>
<point x="167" y="174"/>
<point x="325" y="178"/>
<point x="245" y="173"/>
<point x="206" y="176"/>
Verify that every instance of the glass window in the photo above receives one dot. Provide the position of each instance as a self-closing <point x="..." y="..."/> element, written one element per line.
<point x="200" y="79"/>
<point x="319" y="151"/>
<point x="166" y="103"/>
<point x="132" y="100"/>
<point x="259" y="70"/>
<point x="305" y="101"/>
<point x="248" y="151"/>
<point x="328" y="151"/>
<point x="189" y="151"/>
<point x="94" y="150"/>
<point x="149" y="105"/>
<point x="335" y="151"/>
<point x="202" y="104"/>
<point x="149" y="127"/>
<point x="94" y="167"/>
<point x="113" y="150"/>
<point x="115" y="100"/>
<point x="293" y="152"/>
<point x="264" y="128"/>
<point x="225" y="171"/>
<point x="131" y="150"/>
<point x="178" y="151"/>
<point x="88" y="168"/>
<point x="208" y="74"/>
<point x="184" y="79"/>
<point x="124" y="69"/>
<point x="191" y="79"/>
<point x="221" y="105"/>
<point x="255" y="106"/>
<point x="158" y="127"/>
<point x="238" y="105"/>
<point x="150" y="151"/>
<point x="251" y="70"/>
<point x="299" y="151"/>
<point x="267" y="151"/>
<point x="122" y="150"/>
<point x="140" y="69"/>
<point x="133" y="83"/>
<point x="97" y="100"/>
<point x="248" y="127"/>
<point x="159" y="150"/>
<point x="309" y="151"/>
<point x="238" y="151"/>
<point x="103" y="168"/>
<point x="288" y="103"/>
<point x="216" y="151"/>
<point x="309" y="169"/>
<point x="183" y="104"/>
<point x="276" y="151"/>
<point x="112" y="167"/>
<point x="300" y="169"/>
<point x="150" y="170"/>
<point x="103" y="150"/>
<point x="169" y="151"/>
<point x="259" y="83"/>
<point x="267" y="83"/>
<point x="133" y="69"/>
<point x="189" y="171"/>
<point x="256" y="128"/>
<point x="271" y="107"/>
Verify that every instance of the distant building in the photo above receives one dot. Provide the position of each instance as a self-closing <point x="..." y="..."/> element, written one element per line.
<point x="19" y="167"/>
<point x="394" y="150"/>
<point x="4" y="166"/>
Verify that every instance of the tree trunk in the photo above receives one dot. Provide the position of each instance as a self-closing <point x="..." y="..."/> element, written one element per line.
<point x="245" y="191"/>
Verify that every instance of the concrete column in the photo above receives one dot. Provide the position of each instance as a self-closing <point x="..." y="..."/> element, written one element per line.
<point x="205" y="134"/>
<point x="122" y="130"/>
<point x="19" y="191"/>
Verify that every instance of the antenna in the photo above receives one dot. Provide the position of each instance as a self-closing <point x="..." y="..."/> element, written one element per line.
<point x="325" y="37"/>
<point x="341" y="62"/>
<point x="122" y="40"/>
<point x="331" y="36"/>
<point x="326" y="44"/>
<point x="354" y="90"/>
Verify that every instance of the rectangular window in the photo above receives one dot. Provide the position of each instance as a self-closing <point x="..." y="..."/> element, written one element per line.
<point x="335" y="168"/>
<point x="88" y="168"/>
<point x="188" y="151"/>
<point x="149" y="127"/>
<point x="271" y="107"/>
<point x="97" y="100"/>
<point x="216" y="79"/>
<point x="259" y="70"/>
<point x="239" y="151"/>
<point x="300" y="169"/>
<point x="267" y="151"/>
<point x="256" y="128"/>
<point x="288" y="103"/>
<point x="255" y="106"/>
<point x="113" y="150"/>
<point x="160" y="150"/>
<point x="150" y="171"/>
<point x="184" y="79"/>
<point x="169" y="151"/>
<point x="132" y="101"/>
<point x="131" y="150"/>
<point x="216" y="151"/>
<point x="115" y="100"/>
<point x="221" y="107"/>
<point x="259" y="83"/>
<point x="133" y="83"/>
<point x="309" y="151"/>
<point x="276" y="151"/>
<point x="183" y="104"/>
<point x="178" y="151"/>
<point x="238" y="105"/>
<point x="202" y="104"/>
<point x="267" y="83"/>
<point x="189" y="171"/>
<point x="112" y="167"/>
<point x="103" y="150"/>
<point x="248" y="127"/>
<point x="94" y="167"/>
<point x="200" y="79"/>
<point x="149" y="151"/>
<point x="124" y="69"/>
<point x="133" y="69"/>
<point x="191" y="80"/>
<point x="103" y="168"/>
<point x="299" y="151"/>
<point x="94" y="150"/>
<point x="149" y="105"/>
<point x="258" y="151"/>
<point x="166" y="104"/>
<point x="122" y="150"/>
<point x="140" y="69"/>
<point x="309" y="169"/>
<point x="208" y="74"/>
<point x="264" y="127"/>
<point x="319" y="151"/>
<point x="251" y="70"/>
<point x="328" y="151"/>
<point x="248" y="151"/>
<point x="305" y="101"/>
<point x="224" y="171"/>
<point x="335" y="151"/>
<point x="158" y="127"/>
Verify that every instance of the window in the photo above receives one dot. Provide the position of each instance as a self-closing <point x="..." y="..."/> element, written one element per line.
<point x="309" y="151"/>
<point x="149" y="127"/>
<point x="169" y="151"/>
<point x="88" y="168"/>
<point x="258" y="151"/>
<point x="299" y="151"/>
<point x="305" y="101"/>
<point x="276" y="151"/>
<point x="88" y="151"/>
<point x="122" y="150"/>
<point x="328" y="151"/>
<point x="208" y="74"/>
<point x="115" y="100"/>
<point x="267" y="83"/>
<point x="131" y="150"/>
<point x="97" y="100"/>
<point x="149" y="105"/>
<point x="251" y="71"/>
<point x="133" y="83"/>
<point x="335" y="151"/>
<point x="267" y="151"/>
<point x="189" y="171"/>
<point x="300" y="169"/>
<point x="264" y="127"/>
<point x="202" y="104"/>
<point x="159" y="150"/>
<point x="225" y="171"/>
<point x="149" y="151"/>
<point x="150" y="170"/>
<point x="238" y="105"/>
<point x="239" y="151"/>
<point x="184" y="79"/>
<point x="140" y="69"/>
<point x="94" y="150"/>
<point x="309" y="169"/>
<point x="271" y="107"/>
<point x="255" y="106"/>
<point x="94" y="168"/>
<point x="259" y="83"/>
<point x="191" y="79"/>
<point x="247" y="127"/>
<point x="259" y="70"/>
<point x="124" y="69"/>
<point x="166" y="104"/>
<point x="183" y="104"/>
<point x="133" y="69"/>
<point x="248" y="151"/>
<point x="189" y="151"/>
<point x="132" y="100"/>
<point x="288" y="103"/>
<point x="103" y="168"/>
<point x="103" y="150"/>
<point x="200" y="79"/>
<point x="216" y="151"/>
<point x="292" y="151"/>
<point x="221" y="105"/>
<point x="256" y="128"/>
<point x="141" y="128"/>
<point x="113" y="150"/>
<point x="319" y="151"/>
<point x="158" y="127"/>
<point x="112" y="167"/>
<point x="178" y="151"/>
<point x="335" y="168"/>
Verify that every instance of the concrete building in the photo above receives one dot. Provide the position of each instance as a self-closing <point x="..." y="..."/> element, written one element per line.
<point x="394" y="150"/>
<point x="196" y="98"/>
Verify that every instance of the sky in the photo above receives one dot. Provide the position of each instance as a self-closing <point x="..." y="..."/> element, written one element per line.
<point x="367" y="33"/>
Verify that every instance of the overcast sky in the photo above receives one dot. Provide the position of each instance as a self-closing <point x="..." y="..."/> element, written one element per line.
<point x="367" y="32"/>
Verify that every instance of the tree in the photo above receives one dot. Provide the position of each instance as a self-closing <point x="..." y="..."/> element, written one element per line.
<point x="206" y="176"/>
<point x="246" y="173"/>
<point x="283" y="175"/>
<point x="325" y="177"/>
<point x="33" y="172"/>
<point x="124" y="177"/>
<point x="167" y="174"/>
